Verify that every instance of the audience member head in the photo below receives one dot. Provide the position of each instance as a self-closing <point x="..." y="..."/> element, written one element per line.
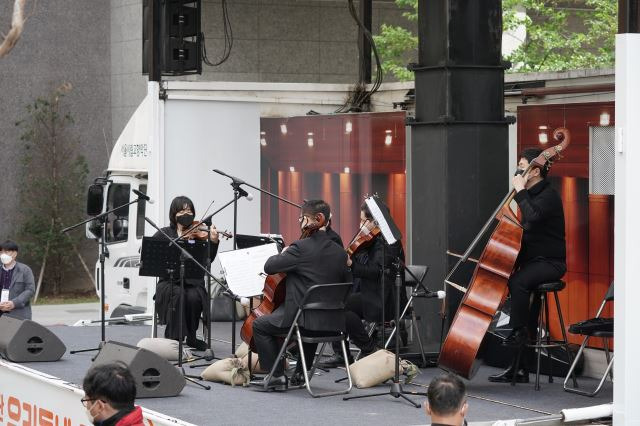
<point x="447" y="400"/>
<point x="108" y="388"/>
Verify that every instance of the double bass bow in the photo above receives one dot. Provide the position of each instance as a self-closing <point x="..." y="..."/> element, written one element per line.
<point x="487" y="289"/>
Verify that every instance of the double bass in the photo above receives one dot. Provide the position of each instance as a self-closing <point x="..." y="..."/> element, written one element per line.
<point x="488" y="287"/>
<point x="273" y="295"/>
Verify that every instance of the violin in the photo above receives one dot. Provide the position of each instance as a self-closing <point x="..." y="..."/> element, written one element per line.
<point x="365" y="236"/>
<point x="198" y="231"/>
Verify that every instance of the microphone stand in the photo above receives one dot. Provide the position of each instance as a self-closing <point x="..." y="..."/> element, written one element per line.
<point x="237" y="193"/>
<point x="104" y="253"/>
<point x="184" y="255"/>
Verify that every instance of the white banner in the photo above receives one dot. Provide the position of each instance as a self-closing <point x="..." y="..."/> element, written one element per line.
<point x="32" y="398"/>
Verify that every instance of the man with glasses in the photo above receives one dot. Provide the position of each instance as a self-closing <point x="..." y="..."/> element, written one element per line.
<point x="314" y="260"/>
<point x="110" y="392"/>
<point x="16" y="282"/>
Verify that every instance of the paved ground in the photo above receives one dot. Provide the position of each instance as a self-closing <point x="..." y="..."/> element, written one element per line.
<point x="66" y="314"/>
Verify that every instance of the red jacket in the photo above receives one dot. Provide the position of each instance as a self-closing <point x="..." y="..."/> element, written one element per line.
<point x="134" y="418"/>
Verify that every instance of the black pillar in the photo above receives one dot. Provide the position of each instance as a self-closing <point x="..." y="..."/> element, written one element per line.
<point x="459" y="139"/>
<point x="364" y="46"/>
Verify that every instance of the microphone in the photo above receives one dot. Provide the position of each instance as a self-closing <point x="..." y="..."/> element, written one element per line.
<point x="245" y="194"/>
<point x="142" y="196"/>
<point x="440" y="294"/>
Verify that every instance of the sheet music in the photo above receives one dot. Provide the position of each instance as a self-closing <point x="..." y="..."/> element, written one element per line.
<point x="244" y="268"/>
<point x="382" y="223"/>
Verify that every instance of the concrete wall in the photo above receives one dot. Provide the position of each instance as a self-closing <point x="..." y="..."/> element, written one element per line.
<point x="274" y="41"/>
<point x="63" y="41"/>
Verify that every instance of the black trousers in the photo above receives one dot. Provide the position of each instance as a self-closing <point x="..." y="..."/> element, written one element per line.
<point x="524" y="312"/>
<point x="168" y="308"/>
<point x="354" y="313"/>
<point x="265" y="336"/>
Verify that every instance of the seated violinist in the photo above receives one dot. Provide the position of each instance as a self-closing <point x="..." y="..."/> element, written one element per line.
<point x="365" y="303"/>
<point x="307" y="262"/>
<point x="181" y="215"/>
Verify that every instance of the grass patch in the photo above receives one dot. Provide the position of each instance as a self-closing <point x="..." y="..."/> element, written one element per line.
<point x="83" y="297"/>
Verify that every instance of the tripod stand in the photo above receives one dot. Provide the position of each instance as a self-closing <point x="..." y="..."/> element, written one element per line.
<point x="104" y="253"/>
<point x="158" y="256"/>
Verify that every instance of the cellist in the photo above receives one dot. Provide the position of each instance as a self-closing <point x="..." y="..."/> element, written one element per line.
<point x="542" y="257"/>
<point x="314" y="260"/>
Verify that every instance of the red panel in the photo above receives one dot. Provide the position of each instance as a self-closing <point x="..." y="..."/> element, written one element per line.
<point x="589" y="218"/>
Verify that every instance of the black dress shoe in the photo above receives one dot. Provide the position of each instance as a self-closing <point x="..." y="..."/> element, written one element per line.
<point x="276" y="383"/>
<point x="197" y="344"/>
<point x="335" y="360"/>
<point x="522" y="376"/>
<point x="297" y="379"/>
<point x="516" y="338"/>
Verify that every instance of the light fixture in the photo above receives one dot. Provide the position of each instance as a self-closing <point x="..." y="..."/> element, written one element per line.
<point x="292" y="169"/>
<point x="283" y="129"/>
<point x="347" y="170"/>
<point x="263" y="140"/>
<point x="542" y="134"/>
<point x="605" y="119"/>
<point x="310" y="139"/>
<point x="348" y="127"/>
<point x="388" y="139"/>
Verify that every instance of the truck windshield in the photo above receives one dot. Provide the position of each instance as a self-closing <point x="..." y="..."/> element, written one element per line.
<point x="118" y="221"/>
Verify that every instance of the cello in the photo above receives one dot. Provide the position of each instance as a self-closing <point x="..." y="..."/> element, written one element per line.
<point x="273" y="295"/>
<point x="487" y="289"/>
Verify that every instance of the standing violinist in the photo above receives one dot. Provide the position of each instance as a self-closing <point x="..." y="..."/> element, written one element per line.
<point x="195" y="301"/>
<point x="365" y="303"/>
<point x="307" y="262"/>
<point x="542" y="256"/>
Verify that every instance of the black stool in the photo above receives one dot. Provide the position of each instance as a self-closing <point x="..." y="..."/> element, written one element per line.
<point x="543" y="321"/>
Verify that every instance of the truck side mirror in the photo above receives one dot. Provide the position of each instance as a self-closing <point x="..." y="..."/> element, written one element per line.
<point x="95" y="199"/>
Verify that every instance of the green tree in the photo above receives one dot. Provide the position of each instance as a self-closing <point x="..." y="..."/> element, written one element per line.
<point x="52" y="187"/>
<point x="551" y="43"/>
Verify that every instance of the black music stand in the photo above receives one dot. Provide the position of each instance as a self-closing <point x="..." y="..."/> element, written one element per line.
<point x="391" y="234"/>
<point x="160" y="256"/>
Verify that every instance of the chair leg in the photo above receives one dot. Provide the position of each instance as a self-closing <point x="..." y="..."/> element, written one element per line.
<point x="539" y="340"/>
<point x="414" y="321"/>
<point x="564" y="336"/>
<point x="607" y="354"/>
<point x="283" y="348"/>
<point x="547" y="321"/>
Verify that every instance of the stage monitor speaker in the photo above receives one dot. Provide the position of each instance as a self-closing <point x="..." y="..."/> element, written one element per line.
<point x="27" y="341"/>
<point x="155" y="376"/>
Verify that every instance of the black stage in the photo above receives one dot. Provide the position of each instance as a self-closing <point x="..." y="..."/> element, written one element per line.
<point x="226" y="405"/>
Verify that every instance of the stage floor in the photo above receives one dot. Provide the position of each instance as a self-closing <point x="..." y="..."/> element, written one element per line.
<point x="224" y="404"/>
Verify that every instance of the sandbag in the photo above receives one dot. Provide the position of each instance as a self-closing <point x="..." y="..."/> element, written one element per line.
<point x="165" y="348"/>
<point x="373" y="369"/>
<point x="228" y="370"/>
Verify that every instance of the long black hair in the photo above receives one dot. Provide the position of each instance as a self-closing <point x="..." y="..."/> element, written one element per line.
<point x="178" y="204"/>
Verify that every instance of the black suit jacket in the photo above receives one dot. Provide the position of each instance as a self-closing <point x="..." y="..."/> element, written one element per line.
<point x="313" y="260"/>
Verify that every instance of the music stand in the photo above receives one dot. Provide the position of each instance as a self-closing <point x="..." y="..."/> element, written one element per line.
<point x="391" y="234"/>
<point x="160" y="256"/>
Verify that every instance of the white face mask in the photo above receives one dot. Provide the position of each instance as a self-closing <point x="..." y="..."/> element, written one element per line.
<point x="89" y="415"/>
<point x="5" y="259"/>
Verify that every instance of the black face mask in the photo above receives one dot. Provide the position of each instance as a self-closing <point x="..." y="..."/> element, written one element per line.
<point x="519" y="172"/>
<point x="185" y="220"/>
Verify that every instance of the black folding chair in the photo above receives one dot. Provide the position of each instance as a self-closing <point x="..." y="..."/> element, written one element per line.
<point x="594" y="327"/>
<point x="323" y="303"/>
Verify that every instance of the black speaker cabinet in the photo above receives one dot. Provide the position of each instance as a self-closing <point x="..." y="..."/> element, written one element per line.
<point x="155" y="376"/>
<point x="27" y="341"/>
